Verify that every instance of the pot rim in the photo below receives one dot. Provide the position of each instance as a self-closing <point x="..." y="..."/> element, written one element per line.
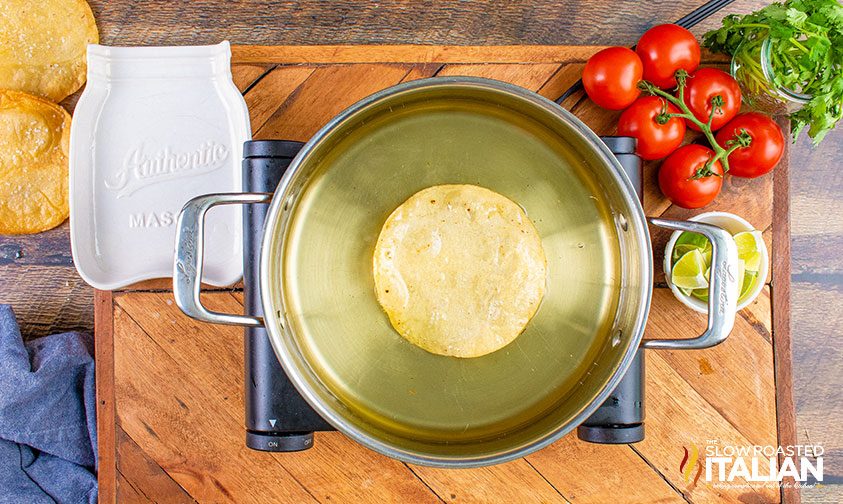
<point x="275" y="325"/>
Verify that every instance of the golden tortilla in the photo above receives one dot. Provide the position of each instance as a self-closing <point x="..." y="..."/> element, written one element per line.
<point x="43" y="45"/>
<point x="34" y="141"/>
<point x="460" y="270"/>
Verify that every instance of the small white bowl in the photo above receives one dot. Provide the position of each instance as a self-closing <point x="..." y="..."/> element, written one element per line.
<point x="734" y="225"/>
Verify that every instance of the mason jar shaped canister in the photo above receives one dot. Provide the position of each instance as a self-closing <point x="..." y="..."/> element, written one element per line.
<point x="155" y="127"/>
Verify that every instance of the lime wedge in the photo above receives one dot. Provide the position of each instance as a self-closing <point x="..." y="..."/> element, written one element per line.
<point x="681" y="249"/>
<point x="688" y="241"/>
<point x="690" y="238"/>
<point x="692" y="259"/>
<point x="702" y="294"/>
<point x="747" y="242"/>
<point x="753" y="261"/>
<point x="688" y="271"/>
<point x="741" y="275"/>
<point x="749" y="279"/>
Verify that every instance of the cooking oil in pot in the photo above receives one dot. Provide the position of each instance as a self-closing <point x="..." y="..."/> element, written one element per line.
<point x="358" y="179"/>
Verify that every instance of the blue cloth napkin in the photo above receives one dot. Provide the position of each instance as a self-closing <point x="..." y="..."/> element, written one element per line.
<point x="48" y="433"/>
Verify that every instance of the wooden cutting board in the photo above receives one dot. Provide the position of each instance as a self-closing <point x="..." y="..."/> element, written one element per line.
<point x="170" y="389"/>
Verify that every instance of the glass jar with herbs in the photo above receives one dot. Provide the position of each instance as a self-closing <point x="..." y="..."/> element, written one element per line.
<point x="765" y="71"/>
<point x="788" y="57"/>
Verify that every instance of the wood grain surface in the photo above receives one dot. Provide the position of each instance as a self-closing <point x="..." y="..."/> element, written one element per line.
<point x="188" y="432"/>
<point x="351" y="22"/>
<point x="816" y="313"/>
<point x="38" y="279"/>
<point x="727" y="393"/>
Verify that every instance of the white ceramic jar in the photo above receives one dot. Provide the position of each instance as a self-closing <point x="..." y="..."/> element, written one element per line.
<point x="154" y="127"/>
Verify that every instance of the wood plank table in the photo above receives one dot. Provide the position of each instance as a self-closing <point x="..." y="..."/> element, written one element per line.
<point x="170" y="389"/>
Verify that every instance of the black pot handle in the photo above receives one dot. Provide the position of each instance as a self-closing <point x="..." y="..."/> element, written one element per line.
<point x="620" y="419"/>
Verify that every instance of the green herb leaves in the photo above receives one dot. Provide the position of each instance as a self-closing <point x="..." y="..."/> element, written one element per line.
<point x="805" y="52"/>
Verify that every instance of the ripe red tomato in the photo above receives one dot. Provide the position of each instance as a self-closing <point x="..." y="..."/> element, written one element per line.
<point x="663" y="50"/>
<point x="644" y="121"/>
<point x="676" y="177"/>
<point x="611" y="77"/>
<point x="703" y="86"/>
<point x="765" y="151"/>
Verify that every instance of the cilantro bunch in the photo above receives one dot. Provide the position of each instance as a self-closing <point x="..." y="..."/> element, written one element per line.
<point x="806" y="38"/>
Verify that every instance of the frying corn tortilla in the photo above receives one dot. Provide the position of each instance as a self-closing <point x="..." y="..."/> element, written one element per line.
<point x="459" y="270"/>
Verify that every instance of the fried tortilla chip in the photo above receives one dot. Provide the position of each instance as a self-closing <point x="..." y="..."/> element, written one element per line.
<point x="34" y="141"/>
<point x="43" y="45"/>
<point x="460" y="270"/>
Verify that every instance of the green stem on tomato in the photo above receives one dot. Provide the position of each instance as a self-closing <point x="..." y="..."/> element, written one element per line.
<point x="720" y="154"/>
<point x="687" y="114"/>
<point x="706" y="171"/>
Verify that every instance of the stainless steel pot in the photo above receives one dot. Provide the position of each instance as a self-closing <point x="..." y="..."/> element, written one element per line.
<point x="338" y="348"/>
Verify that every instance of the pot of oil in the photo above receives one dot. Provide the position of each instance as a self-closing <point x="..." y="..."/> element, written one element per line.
<point x="337" y="344"/>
